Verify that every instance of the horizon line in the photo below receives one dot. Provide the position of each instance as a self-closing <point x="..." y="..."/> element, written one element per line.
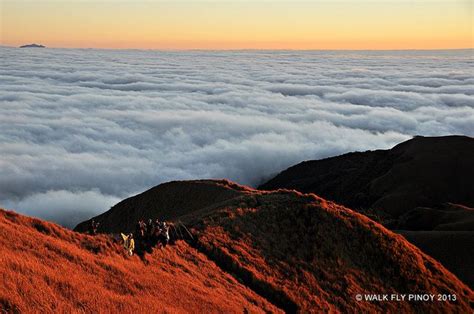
<point x="241" y="49"/>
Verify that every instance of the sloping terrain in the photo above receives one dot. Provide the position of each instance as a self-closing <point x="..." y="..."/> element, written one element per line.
<point x="163" y="202"/>
<point x="452" y="248"/>
<point x="298" y="251"/>
<point x="445" y="233"/>
<point x="424" y="184"/>
<point x="48" y="269"/>
<point x="447" y="217"/>
<point x="424" y="171"/>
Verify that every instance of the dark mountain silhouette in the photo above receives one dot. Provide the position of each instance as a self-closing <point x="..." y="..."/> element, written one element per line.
<point x="446" y="233"/>
<point x="446" y="217"/>
<point x="421" y="172"/>
<point x="299" y="252"/>
<point x="163" y="203"/>
<point x="424" y="184"/>
<point x="33" y="46"/>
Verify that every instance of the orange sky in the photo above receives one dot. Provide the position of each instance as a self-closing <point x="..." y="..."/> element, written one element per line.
<point x="244" y="24"/>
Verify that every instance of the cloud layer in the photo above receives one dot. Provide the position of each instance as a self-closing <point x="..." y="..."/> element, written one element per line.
<point x="81" y="129"/>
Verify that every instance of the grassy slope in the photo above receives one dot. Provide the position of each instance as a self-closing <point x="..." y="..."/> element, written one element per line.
<point x="46" y="268"/>
<point x="299" y="251"/>
<point x="309" y="254"/>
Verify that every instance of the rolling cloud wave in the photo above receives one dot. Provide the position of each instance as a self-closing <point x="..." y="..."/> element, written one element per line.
<point x="90" y="127"/>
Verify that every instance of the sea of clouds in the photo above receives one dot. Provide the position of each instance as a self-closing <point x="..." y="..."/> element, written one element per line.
<point x="81" y="129"/>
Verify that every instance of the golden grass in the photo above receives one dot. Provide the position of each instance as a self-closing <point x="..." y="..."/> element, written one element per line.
<point x="46" y="268"/>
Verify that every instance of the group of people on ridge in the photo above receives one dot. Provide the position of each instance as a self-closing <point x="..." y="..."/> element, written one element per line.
<point x="146" y="236"/>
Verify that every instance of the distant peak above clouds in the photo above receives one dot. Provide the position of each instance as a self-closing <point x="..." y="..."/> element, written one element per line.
<point x="33" y="46"/>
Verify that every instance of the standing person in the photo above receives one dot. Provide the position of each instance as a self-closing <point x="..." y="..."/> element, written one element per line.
<point x="128" y="243"/>
<point x="157" y="224"/>
<point x="93" y="227"/>
<point x="164" y="236"/>
<point x="131" y="244"/>
<point x="150" y="227"/>
<point x="140" y="229"/>
<point x="166" y="232"/>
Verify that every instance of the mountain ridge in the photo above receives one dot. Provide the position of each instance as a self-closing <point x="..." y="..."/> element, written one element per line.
<point x="409" y="175"/>
<point x="297" y="250"/>
<point x="423" y="184"/>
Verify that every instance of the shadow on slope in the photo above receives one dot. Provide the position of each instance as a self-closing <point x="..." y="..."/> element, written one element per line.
<point x="299" y="251"/>
<point x="163" y="202"/>
<point x="446" y="217"/>
<point x="413" y="186"/>
<point x="421" y="172"/>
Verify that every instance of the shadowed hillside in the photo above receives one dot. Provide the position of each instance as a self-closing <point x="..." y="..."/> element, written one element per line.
<point x="46" y="268"/>
<point x="424" y="171"/>
<point x="446" y="217"/>
<point x="298" y="251"/>
<point x="166" y="201"/>
<point x="424" y="184"/>
<point x="452" y="248"/>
